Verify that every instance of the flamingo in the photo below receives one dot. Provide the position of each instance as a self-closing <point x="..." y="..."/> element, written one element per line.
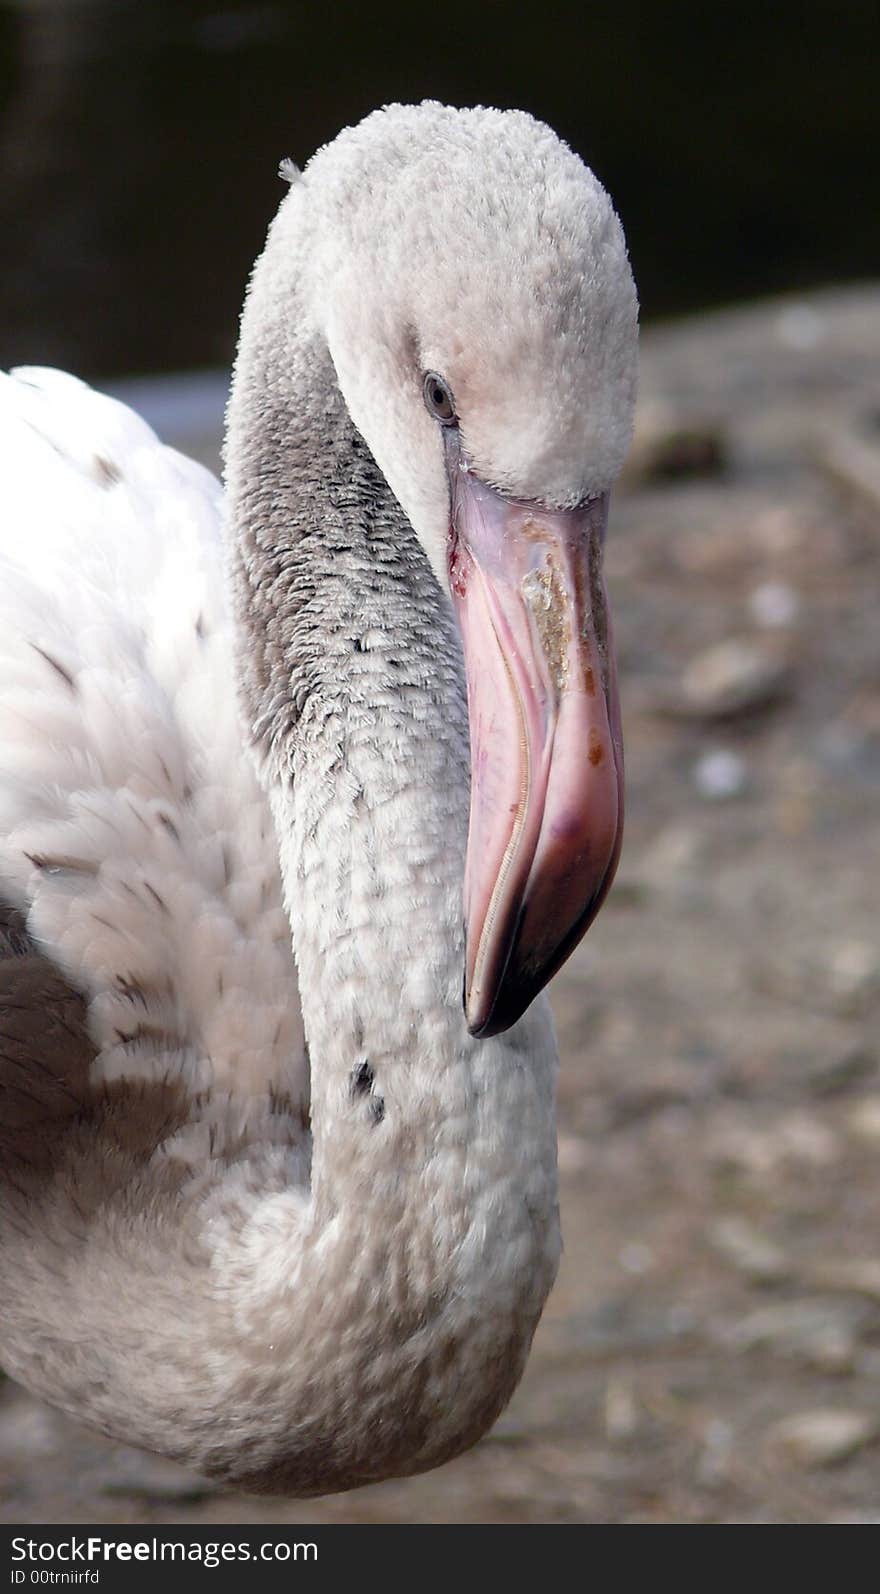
<point x="306" y="790"/>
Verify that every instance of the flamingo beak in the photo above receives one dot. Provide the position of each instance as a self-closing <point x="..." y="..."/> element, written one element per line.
<point x="546" y="812"/>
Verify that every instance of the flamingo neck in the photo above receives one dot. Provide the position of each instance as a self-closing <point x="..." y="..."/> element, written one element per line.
<point x="430" y="1238"/>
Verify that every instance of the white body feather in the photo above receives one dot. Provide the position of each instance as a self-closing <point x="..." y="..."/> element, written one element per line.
<point x="133" y="832"/>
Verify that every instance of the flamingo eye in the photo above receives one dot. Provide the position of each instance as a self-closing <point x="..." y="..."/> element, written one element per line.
<point x="438" y="399"/>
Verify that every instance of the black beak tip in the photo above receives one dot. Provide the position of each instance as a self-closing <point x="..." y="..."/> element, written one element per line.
<point x="512" y="1000"/>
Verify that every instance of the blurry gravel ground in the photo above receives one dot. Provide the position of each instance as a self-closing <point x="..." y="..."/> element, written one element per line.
<point x="712" y="1350"/>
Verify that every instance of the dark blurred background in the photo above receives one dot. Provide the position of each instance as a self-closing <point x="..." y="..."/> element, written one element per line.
<point x="139" y="144"/>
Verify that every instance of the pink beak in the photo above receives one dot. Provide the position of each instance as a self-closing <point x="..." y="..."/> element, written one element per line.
<point x="546" y="812"/>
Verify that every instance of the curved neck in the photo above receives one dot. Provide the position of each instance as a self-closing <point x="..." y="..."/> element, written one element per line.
<point x="433" y="1154"/>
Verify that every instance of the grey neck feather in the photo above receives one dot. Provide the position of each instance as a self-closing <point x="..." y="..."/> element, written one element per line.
<point x="354" y="699"/>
